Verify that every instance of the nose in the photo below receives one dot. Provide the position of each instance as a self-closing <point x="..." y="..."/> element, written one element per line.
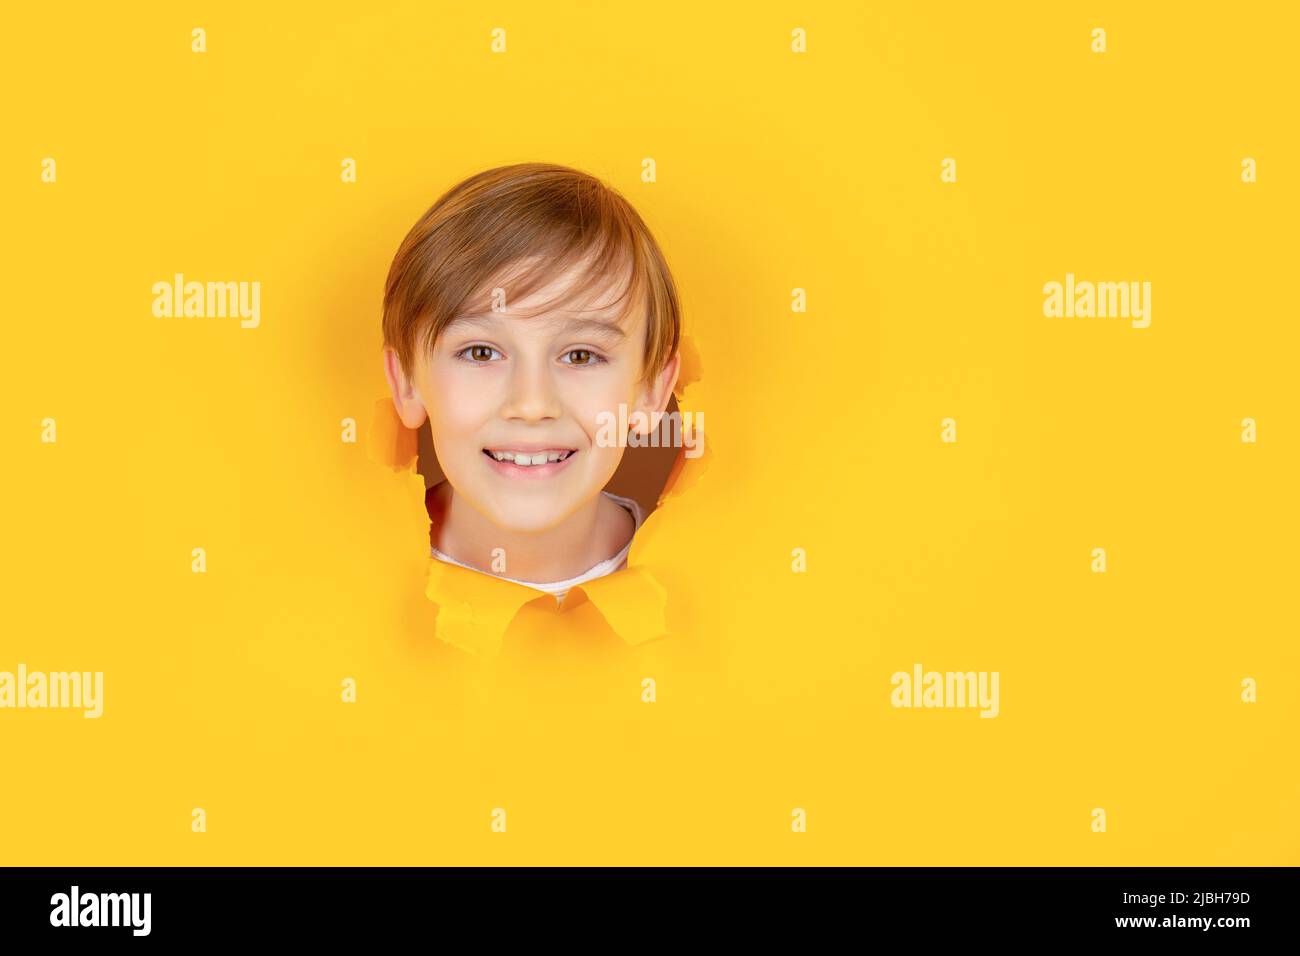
<point x="531" y="394"/>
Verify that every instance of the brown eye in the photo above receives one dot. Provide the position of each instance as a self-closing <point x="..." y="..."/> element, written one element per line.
<point x="581" y="357"/>
<point x="479" y="353"/>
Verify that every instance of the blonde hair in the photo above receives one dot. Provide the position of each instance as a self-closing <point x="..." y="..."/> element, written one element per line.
<point x="537" y="220"/>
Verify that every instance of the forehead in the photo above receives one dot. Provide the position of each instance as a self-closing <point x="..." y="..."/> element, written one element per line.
<point x="572" y="299"/>
<point x="605" y="327"/>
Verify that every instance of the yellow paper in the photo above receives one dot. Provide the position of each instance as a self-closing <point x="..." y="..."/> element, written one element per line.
<point x="739" y="673"/>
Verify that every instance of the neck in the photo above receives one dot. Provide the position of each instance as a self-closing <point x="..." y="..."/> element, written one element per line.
<point x="539" y="557"/>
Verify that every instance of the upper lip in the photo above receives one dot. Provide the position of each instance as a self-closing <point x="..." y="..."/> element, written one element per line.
<point x="531" y="448"/>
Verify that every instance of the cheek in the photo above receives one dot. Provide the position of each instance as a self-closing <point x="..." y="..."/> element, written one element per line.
<point x="458" y="404"/>
<point x="596" y="405"/>
<point x="594" y="396"/>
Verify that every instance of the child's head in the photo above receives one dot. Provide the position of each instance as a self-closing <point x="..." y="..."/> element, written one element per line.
<point x="521" y="311"/>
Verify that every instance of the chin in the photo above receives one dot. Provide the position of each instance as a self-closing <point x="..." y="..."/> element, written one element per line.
<point x="528" y="517"/>
<point x="525" y="523"/>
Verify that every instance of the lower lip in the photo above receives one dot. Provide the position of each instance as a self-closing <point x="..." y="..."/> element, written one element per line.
<point x="527" y="472"/>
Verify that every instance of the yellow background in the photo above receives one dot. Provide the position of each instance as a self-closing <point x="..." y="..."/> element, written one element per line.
<point x="775" y="171"/>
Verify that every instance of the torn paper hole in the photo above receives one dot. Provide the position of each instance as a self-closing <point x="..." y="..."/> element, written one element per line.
<point x="476" y="607"/>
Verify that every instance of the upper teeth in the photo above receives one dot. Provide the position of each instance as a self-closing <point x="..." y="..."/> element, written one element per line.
<point x="529" y="458"/>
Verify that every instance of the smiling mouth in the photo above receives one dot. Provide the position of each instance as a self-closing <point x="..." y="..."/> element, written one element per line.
<point x="530" y="459"/>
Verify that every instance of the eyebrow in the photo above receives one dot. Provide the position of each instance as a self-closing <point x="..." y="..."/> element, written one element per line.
<point x="612" y="329"/>
<point x="599" y="326"/>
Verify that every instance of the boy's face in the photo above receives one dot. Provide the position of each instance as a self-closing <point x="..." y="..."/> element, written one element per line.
<point x="514" y="402"/>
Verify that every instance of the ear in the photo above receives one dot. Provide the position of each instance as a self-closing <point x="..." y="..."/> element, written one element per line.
<point x="654" y="396"/>
<point x="406" y="397"/>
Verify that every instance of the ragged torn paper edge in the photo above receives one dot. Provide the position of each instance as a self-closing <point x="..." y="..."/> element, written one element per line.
<point x="632" y="600"/>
